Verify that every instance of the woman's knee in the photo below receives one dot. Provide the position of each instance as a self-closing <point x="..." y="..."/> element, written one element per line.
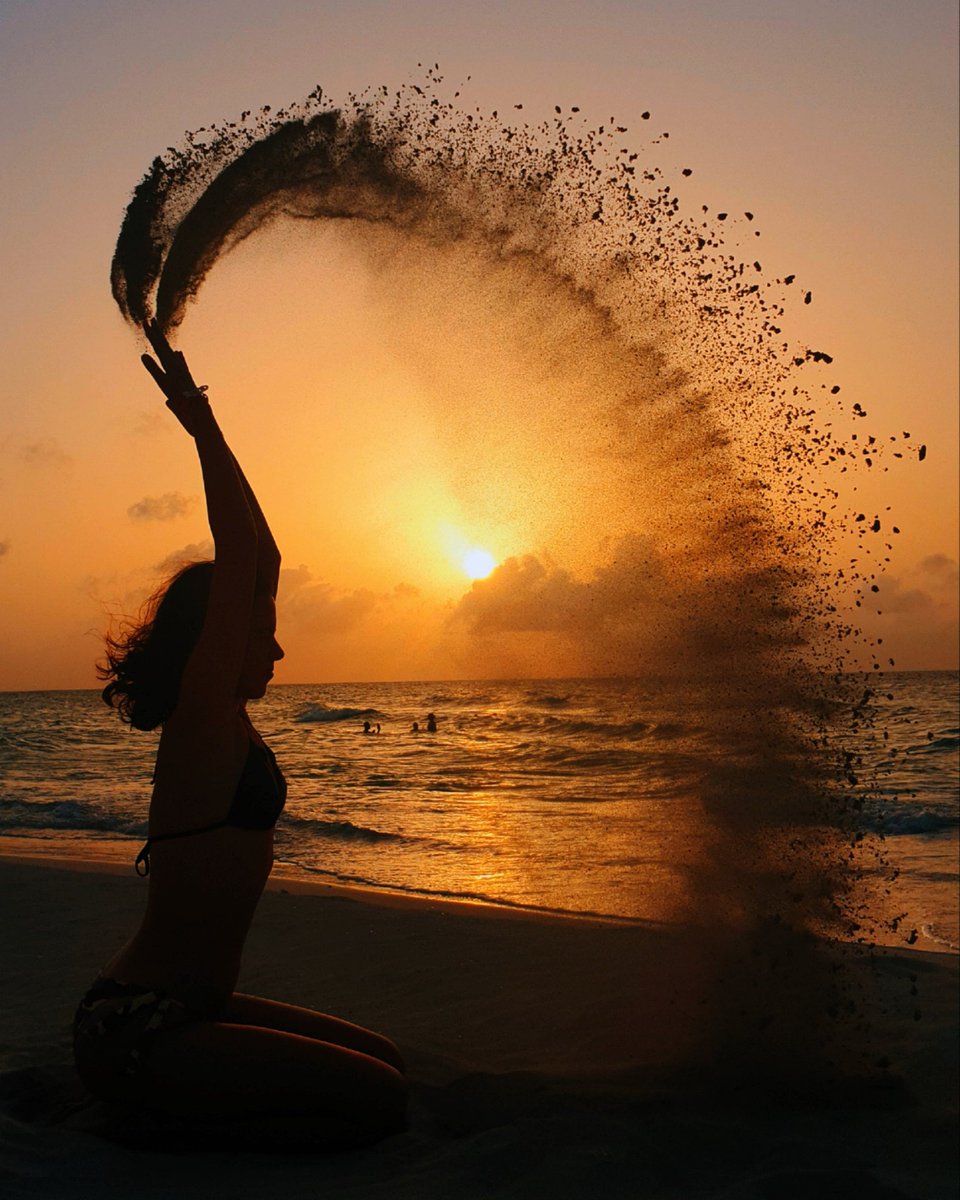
<point x="381" y="1047"/>
<point x="271" y="1014"/>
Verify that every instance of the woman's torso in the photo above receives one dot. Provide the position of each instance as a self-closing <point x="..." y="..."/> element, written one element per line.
<point x="204" y="886"/>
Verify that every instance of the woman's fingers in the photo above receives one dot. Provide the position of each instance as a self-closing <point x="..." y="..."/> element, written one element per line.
<point x="154" y="337"/>
<point x="172" y="375"/>
<point x="161" y="347"/>
<point x="156" y="371"/>
<point x="172" y="361"/>
<point x="183" y="371"/>
<point x="154" y="368"/>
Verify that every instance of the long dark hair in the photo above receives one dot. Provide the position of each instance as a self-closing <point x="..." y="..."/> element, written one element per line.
<point x="145" y="662"/>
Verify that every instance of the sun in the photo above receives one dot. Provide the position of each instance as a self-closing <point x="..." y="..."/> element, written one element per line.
<point x="478" y="563"/>
<point x="463" y="553"/>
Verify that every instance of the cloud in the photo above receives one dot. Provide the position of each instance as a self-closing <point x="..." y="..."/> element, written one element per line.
<point x="193" y="552"/>
<point x="292" y="578"/>
<point x="942" y="568"/>
<point x="895" y="598"/>
<point x="521" y="596"/>
<point x="526" y="595"/>
<point x="309" y="605"/>
<point x="45" y="452"/>
<point x="151" y="422"/>
<point x="161" y="508"/>
<point x="643" y="610"/>
<point x="622" y="618"/>
<point x="120" y="595"/>
<point x="406" y="591"/>
<point x="914" y="616"/>
<point x="932" y="584"/>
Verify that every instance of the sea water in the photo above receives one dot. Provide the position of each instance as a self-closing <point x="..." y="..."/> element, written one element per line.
<point x="576" y="796"/>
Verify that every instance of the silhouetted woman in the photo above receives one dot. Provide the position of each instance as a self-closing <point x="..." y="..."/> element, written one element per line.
<point x="162" y="1027"/>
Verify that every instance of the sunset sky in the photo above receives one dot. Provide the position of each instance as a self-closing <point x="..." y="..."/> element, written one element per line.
<point x="835" y="123"/>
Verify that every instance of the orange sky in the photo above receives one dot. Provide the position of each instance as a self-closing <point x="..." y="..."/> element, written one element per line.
<point x="836" y="125"/>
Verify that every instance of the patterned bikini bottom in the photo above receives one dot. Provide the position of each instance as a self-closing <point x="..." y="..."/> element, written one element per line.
<point x="116" y="1023"/>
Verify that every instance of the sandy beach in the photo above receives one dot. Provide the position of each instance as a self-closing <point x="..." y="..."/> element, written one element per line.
<point x="548" y="1057"/>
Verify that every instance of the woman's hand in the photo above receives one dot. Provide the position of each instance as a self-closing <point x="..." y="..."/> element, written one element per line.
<point x="186" y="401"/>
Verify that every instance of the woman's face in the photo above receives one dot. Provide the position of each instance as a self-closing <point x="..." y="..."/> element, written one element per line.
<point x="263" y="649"/>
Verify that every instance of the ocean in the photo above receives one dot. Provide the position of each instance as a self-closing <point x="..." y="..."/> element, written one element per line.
<point x="576" y="796"/>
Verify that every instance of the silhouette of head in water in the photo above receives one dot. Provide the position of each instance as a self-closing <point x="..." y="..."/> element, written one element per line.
<point x="144" y="665"/>
<point x="431" y="723"/>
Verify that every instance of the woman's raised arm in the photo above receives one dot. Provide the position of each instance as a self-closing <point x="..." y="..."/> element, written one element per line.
<point x="268" y="553"/>
<point x="188" y="403"/>
<point x="213" y="671"/>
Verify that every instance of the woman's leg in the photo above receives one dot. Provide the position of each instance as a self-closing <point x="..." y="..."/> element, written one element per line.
<point x="290" y="1018"/>
<point x="217" y="1069"/>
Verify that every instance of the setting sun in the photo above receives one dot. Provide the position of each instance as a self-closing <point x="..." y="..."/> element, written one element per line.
<point x="478" y="563"/>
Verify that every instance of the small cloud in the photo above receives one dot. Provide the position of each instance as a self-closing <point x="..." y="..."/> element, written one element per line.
<point x="916" y="615"/>
<point x="626" y="615"/>
<point x="898" y="599"/>
<point x="308" y="604"/>
<point x="940" y="567"/>
<point x="193" y="552"/>
<point x="932" y="583"/>
<point x="292" y="578"/>
<point x="45" y="452"/>
<point x="122" y="594"/>
<point x="161" y="508"/>
<point x="322" y="609"/>
<point x="151" y="422"/>
<point x="523" y="595"/>
<point x="526" y="595"/>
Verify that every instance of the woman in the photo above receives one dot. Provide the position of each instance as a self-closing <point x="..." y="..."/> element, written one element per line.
<point x="162" y="1027"/>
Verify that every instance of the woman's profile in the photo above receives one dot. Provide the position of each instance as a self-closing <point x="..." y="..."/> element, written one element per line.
<point x="162" y="1027"/>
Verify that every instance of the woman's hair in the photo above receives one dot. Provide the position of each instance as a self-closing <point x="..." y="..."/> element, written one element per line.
<point x="145" y="663"/>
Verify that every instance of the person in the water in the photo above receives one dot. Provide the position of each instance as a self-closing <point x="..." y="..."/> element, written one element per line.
<point x="431" y="723"/>
<point x="162" y="1027"/>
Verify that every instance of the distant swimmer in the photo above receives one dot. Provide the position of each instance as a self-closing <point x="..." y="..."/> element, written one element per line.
<point x="415" y="727"/>
<point x="431" y="723"/>
<point x="366" y="727"/>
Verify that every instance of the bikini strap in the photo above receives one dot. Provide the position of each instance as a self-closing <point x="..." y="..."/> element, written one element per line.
<point x="143" y="858"/>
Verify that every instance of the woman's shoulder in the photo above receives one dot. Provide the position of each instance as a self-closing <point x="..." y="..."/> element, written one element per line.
<point x="201" y="732"/>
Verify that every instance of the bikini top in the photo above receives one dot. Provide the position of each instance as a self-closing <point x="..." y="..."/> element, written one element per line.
<point x="257" y="803"/>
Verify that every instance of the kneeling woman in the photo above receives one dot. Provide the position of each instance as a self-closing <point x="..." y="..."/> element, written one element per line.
<point x="162" y="1027"/>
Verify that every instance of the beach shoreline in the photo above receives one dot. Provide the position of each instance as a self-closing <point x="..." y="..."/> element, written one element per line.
<point x="116" y="858"/>
<point x="63" y="854"/>
<point x="547" y="1057"/>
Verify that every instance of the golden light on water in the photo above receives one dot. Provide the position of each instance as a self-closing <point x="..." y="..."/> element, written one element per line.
<point x="478" y="563"/>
